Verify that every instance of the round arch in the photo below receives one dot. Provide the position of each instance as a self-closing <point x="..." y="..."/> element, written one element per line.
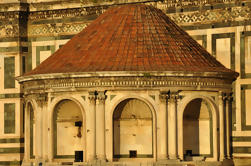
<point x="214" y="112"/>
<point x="148" y="103"/>
<point x="79" y="124"/>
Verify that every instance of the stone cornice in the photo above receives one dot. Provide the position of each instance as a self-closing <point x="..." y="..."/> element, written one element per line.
<point x="219" y="75"/>
<point x="136" y="82"/>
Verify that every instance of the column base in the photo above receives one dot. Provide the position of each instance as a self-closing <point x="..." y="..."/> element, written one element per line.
<point x="99" y="161"/>
<point x="173" y="157"/>
<point x="172" y="161"/>
<point x="100" y="158"/>
<point x="227" y="162"/>
<point x="162" y="161"/>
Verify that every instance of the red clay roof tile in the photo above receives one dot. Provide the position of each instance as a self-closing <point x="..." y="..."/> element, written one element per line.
<point x="131" y="38"/>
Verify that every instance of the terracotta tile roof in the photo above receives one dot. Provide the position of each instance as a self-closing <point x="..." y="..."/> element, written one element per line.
<point x="131" y="38"/>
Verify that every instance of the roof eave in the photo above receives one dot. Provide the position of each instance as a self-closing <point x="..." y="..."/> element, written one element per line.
<point x="220" y="75"/>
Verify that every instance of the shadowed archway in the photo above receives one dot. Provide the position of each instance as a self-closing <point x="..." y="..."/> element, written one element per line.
<point x="197" y="130"/>
<point x="132" y="130"/>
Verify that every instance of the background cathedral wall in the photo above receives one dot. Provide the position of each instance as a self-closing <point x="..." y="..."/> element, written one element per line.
<point x="31" y="32"/>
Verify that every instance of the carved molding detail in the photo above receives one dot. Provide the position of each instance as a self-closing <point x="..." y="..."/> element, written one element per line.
<point x="209" y="16"/>
<point x="173" y="97"/>
<point x="163" y="97"/>
<point x="182" y="3"/>
<point x="54" y="28"/>
<point x="101" y="97"/>
<point x="41" y="99"/>
<point x="68" y="83"/>
<point x="228" y="97"/>
<point x="92" y="97"/>
<point x="63" y="13"/>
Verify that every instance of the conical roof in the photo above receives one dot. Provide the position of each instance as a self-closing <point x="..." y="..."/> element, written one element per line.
<point x="131" y="38"/>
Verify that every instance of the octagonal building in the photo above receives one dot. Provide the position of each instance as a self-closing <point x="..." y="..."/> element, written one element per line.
<point x="131" y="87"/>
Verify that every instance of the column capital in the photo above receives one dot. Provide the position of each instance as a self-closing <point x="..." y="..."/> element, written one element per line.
<point x="228" y="97"/>
<point x="173" y="96"/>
<point x="221" y="96"/>
<point x="101" y="97"/>
<point x="92" y="96"/>
<point x="41" y="99"/>
<point x="163" y="97"/>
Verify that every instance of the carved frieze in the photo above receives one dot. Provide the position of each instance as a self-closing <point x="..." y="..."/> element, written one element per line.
<point x="132" y="83"/>
<point x="56" y="28"/>
<point x="212" y="16"/>
<point x="101" y="97"/>
<point x="66" y="13"/>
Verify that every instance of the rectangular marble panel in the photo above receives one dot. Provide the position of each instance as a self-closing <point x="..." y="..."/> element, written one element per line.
<point x="248" y="54"/>
<point x="248" y="106"/>
<point x="9" y="118"/>
<point x="223" y="51"/>
<point x="9" y="72"/>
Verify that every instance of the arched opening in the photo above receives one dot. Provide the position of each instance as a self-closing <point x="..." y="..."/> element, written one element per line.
<point x="68" y="136"/>
<point x="31" y="130"/>
<point x="197" y="130"/>
<point x="132" y="130"/>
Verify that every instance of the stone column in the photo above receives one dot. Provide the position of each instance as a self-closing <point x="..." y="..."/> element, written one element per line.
<point x="172" y="128"/>
<point x="26" y="133"/>
<point x="221" y="114"/>
<point x="41" y="100"/>
<point x="91" y="131"/>
<point x="162" y="127"/>
<point x="100" y="126"/>
<point x="228" y="100"/>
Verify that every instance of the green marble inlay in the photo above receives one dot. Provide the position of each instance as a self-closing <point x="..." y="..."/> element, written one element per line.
<point x="246" y="150"/>
<point x="52" y="98"/>
<point x="12" y="39"/>
<point x="241" y="139"/>
<point x="64" y="156"/>
<point x="152" y="96"/>
<point x="216" y="25"/>
<point x="43" y="48"/>
<point x="28" y="58"/>
<point x="9" y="72"/>
<point x="232" y="46"/>
<point x="12" y="140"/>
<point x="243" y="73"/>
<point x="191" y="8"/>
<point x="9" y="49"/>
<point x="138" y="156"/>
<point x="12" y="150"/>
<point x="32" y="156"/>
<point x="50" y="38"/>
<point x="65" y="20"/>
<point x="233" y="108"/>
<point x="9" y="118"/>
<point x="11" y="95"/>
<point x="244" y="126"/>
<point x="203" y="38"/>
<point x="112" y="96"/>
<point x="10" y="163"/>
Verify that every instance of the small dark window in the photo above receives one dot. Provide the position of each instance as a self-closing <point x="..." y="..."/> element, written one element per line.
<point x="133" y="153"/>
<point x="189" y="152"/>
<point x="78" y="156"/>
